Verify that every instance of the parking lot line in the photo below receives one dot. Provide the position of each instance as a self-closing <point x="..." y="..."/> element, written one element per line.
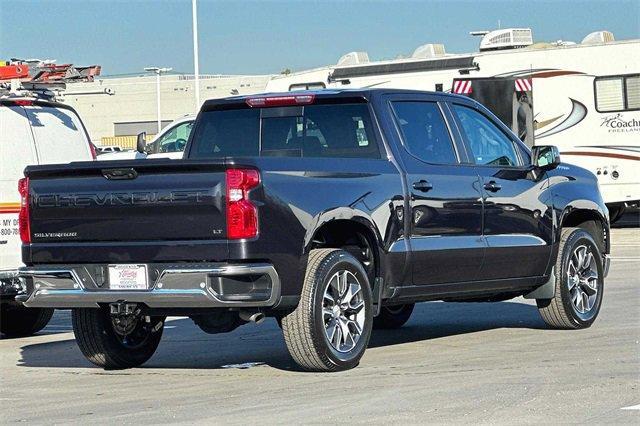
<point x="633" y="407"/>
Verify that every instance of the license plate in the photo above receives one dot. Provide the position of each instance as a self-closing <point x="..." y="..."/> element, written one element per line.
<point x="128" y="277"/>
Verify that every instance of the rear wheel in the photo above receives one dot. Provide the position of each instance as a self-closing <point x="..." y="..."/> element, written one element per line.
<point x="116" y="342"/>
<point x="18" y="321"/>
<point x="330" y="328"/>
<point x="393" y="316"/>
<point x="579" y="282"/>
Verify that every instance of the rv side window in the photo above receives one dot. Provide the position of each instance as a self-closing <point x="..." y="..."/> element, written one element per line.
<point x="617" y="93"/>
<point x="609" y="94"/>
<point x="633" y="92"/>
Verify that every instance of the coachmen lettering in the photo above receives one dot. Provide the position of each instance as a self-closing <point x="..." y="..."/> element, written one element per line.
<point x="619" y="123"/>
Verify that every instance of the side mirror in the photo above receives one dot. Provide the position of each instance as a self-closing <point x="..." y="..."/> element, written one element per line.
<point x="141" y="142"/>
<point x="545" y="157"/>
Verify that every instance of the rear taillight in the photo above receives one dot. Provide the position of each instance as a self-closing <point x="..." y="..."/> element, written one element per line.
<point x="23" y="216"/>
<point x="23" y="102"/>
<point x="242" y="215"/>
<point x="92" y="148"/>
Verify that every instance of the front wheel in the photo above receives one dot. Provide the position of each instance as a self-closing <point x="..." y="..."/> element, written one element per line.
<point x="18" y="321"/>
<point x="116" y="342"/>
<point x="579" y="282"/>
<point x="330" y="328"/>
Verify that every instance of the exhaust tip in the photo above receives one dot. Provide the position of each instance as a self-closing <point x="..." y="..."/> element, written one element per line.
<point x="252" y="316"/>
<point x="257" y="317"/>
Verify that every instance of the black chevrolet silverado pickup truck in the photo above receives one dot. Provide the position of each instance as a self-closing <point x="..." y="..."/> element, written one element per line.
<point x="332" y="211"/>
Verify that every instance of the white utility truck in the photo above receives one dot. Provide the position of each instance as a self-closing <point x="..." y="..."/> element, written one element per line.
<point x="34" y="129"/>
<point x="168" y="143"/>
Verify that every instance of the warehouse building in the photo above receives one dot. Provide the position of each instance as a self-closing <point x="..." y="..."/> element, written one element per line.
<point x="115" y="109"/>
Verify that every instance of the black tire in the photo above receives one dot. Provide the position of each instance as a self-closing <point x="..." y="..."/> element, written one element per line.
<point x="560" y="311"/>
<point x="616" y="211"/>
<point x="304" y="328"/>
<point x="18" y="321"/>
<point x="102" y="346"/>
<point x="393" y="316"/>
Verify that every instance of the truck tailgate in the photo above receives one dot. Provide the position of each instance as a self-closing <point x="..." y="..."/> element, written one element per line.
<point x="170" y="202"/>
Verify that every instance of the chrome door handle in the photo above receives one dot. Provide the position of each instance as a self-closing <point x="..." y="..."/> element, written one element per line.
<point x="422" y="185"/>
<point x="492" y="186"/>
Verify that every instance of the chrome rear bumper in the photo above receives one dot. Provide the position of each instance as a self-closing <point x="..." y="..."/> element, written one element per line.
<point x="170" y="286"/>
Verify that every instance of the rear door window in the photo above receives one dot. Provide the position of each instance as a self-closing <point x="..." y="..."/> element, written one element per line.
<point x="424" y="131"/>
<point x="320" y="131"/>
<point x="59" y="135"/>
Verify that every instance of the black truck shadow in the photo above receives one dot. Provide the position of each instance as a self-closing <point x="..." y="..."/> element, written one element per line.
<point x="630" y="219"/>
<point x="184" y="346"/>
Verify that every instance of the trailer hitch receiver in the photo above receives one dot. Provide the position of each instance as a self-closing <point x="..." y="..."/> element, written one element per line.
<point x="123" y="309"/>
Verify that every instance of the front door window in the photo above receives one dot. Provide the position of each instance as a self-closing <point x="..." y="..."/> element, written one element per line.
<point x="489" y="145"/>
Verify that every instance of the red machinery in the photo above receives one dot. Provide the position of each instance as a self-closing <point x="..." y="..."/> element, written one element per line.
<point x="46" y="71"/>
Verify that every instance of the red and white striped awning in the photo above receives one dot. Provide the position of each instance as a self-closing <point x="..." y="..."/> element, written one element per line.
<point x="462" y="87"/>
<point x="524" y="85"/>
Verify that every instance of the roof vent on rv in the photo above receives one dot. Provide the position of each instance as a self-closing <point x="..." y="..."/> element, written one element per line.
<point x="510" y="38"/>
<point x="428" y="51"/>
<point x="598" y="37"/>
<point x="353" y="58"/>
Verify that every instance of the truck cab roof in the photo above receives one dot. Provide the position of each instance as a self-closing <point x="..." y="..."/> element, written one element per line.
<point x="327" y="94"/>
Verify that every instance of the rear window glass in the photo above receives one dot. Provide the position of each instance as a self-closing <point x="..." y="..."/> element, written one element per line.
<point x="59" y="135"/>
<point x="334" y="131"/>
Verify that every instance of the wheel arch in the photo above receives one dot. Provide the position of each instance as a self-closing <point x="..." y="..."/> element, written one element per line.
<point x="345" y="232"/>
<point x="591" y="219"/>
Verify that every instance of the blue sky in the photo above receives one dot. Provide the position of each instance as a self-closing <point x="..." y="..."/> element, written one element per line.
<point x="249" y="37"/>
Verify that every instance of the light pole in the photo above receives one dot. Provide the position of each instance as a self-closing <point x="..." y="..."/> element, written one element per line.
<point x="196" y="67"/>
<point x="158" y="71"/>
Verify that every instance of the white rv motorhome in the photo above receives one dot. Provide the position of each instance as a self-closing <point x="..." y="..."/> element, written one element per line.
<point x="582" y="97"/>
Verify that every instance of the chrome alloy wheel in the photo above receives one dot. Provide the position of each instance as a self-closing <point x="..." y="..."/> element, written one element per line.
<point x="343" y="311"/>
<point x="582" y="279"/>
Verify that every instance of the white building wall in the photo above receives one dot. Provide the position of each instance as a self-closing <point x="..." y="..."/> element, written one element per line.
<point x="133" y="99"/>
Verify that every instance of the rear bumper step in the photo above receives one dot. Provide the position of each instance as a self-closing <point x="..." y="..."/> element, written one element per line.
<point x="170" y="286"/>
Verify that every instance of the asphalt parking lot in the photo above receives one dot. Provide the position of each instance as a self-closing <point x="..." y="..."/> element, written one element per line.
<point x="462" y="362"/>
